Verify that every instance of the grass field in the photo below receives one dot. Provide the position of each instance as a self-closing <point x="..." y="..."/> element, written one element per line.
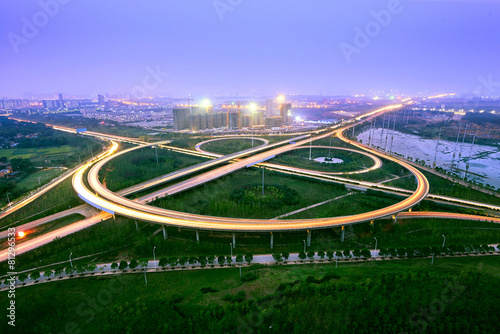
<point x="32" y="153"/>
<point x="85" y="303"/>
<point x="31" y="181"/>
<point x="229" y="146"/>
<point x="215" y="199"/>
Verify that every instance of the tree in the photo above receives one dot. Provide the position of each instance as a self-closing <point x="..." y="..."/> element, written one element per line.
<point x="133" y="264"/>
<point x="91" y="266"/>
<point x="47" y="273"/>
<point x="58" y="271"/>
<point x="183" y="260"/>
<point x="410" y="251"/>
<point x="35" y="275"/>
<point x="143" y="263"/>
<point x="163" y="262"/>
<point x="347" y="253"/>
<point x="277" y="257"/>
<point x="329" y="254"/>
<point x="202" y="260"/>
<point x="321" y="254"/>
<point x="172" y="262"/>
<point x="382" y="252"/>
<point x="249" y="257"/>
<point x="81" y="268"/>
<point x="123" y="265"/>
<point x="229" y="259"/>
<point x="114" y="265"/>
<point x="366" y="253"/>
<point x="69" y="270"/>
<point x="356" y="253"/>
<point x="22" y="277"/>
<point x="192" y="260"/>
<point x="239" y="259"/>
<point x="302" y="255"/>
<point x="285" y="256"/>
<point x="211" y="260"/>
<point x="339" y="254"/>
<point x="391" y="252"/>
<point x="221" y="259"/>
<point x="310" y="255"/>
<point x="401" y="252"/>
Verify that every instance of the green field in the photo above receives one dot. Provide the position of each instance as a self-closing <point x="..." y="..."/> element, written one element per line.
<point x="381" y="296"/>
<point x="36" y="153"/>
<point x="229" y="146"/>
<point x="300" y="158"/>
<point x="217" y="197"/>
<point x="31" y="181"/>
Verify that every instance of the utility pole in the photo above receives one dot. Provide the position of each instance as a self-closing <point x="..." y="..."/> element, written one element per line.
<point x="463" y="141"/>
<point x="263" y="168"/>
<point x="437" y="146"/>
<point x="330" y="149"/>
<point x="310" y="149"/>
<point x="455" y="149"/>
<point x="392" y="137"/>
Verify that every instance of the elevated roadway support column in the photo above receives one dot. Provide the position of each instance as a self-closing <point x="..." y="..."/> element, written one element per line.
<point x="197" y="237"/>
<point x="165" y="234"/>
<point x="342" y="234"/>
<point x="309" y="238"/>
<point x="272" y="240"/>
<point x="234" y="240"/>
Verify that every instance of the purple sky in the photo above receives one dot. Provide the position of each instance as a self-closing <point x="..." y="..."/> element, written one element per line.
<point x="260" y="46"/>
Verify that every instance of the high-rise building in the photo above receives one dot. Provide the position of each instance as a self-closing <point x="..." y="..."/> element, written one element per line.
<point x="286" y="112"/>
<point x="100" y="100"/>
<point x="181" y="118"/>
<point x="269" y="108"/>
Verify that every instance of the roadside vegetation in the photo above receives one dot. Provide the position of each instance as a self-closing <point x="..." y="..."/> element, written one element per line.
<point x="141" y="165"/>
<point x="453" y="295"/>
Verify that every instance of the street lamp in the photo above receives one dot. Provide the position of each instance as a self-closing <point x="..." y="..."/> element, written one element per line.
<point x="376" y="242"/>
<point x="253" y="109"/>
<point x="8" y="198"/>
<point x="154" y="257"/>
<point x="71" y="262"/>
<point x="206" y="103"/>
<point x="39" y="181"/>
<point x="231" y="245"/>
<point x="304" y="246"/>
<point x="443" y="240"/>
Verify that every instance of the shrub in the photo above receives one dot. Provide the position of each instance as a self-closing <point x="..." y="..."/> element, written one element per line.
<point x="250" y="276"/>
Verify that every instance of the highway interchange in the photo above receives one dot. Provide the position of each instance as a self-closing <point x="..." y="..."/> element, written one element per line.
<point x="115" y="203"/>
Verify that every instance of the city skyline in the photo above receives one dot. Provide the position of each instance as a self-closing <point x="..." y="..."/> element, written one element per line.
<point x="248" y="48"/>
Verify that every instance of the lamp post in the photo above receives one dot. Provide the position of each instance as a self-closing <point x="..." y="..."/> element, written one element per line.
<point x="304" y="245"/>
<point x="443" y="240"/>
<point x="39" y="181"/>
<point x="253" y="108"/>
<point x="71" y="262"/>
<point x="154" y="257"/>
<point x="8" y="200"/>
<point x="231" y="245"/>
<point x="376" y="242"/>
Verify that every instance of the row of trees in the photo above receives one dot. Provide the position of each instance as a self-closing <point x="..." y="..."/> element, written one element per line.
<point x="330" y="254"/>
<point x="172" y="262"/>
<point x="57" y="272"/>
<point x="192" y="260"/>
<point x="425" y="251"/>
